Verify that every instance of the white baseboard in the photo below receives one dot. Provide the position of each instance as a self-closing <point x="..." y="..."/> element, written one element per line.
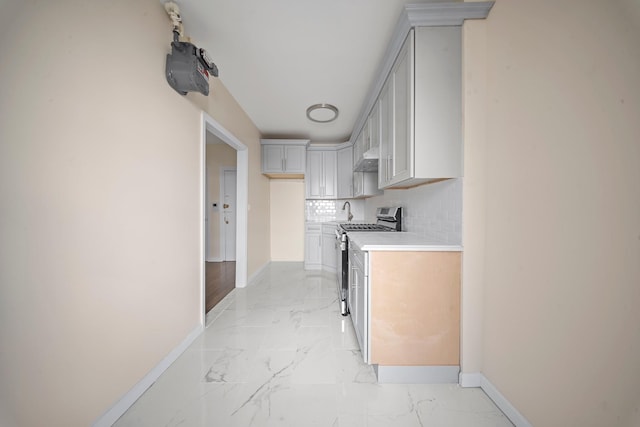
<point x="256" y="275"/>
<point x="120" y="407"/>
<point x="214" y="259"/>
<point x="473" y="379"/>
<point x="477" y="379"/>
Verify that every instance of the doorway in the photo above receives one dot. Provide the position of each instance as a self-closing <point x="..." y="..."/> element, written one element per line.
<point x="239" y="266"/>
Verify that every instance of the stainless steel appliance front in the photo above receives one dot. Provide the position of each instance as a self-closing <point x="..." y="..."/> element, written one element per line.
<point x="342" y="269"/>
<point x="388" y="219"/>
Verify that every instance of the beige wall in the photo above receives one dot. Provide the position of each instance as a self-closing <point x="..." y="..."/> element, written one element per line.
<point x="100" y="214"/>
<point x="225" y="110"/>
<point x="562" y="274"/>
<point x="219" y="155"/>
<point x="474" y="194"/>
<point x="287" y="219"/>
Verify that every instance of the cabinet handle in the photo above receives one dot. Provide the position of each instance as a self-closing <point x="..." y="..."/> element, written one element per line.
<point x="285" y="165"/>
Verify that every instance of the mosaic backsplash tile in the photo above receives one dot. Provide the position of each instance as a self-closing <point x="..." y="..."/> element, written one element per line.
<point x="433" y="210"/>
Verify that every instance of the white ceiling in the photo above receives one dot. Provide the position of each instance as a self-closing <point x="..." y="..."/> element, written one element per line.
<point x="278" y="57"/>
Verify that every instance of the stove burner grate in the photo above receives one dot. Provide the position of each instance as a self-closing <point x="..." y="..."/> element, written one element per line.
<point x="365" y="227"/>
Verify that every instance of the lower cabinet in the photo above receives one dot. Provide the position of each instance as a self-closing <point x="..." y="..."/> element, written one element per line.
<point x="414" y="316"/>
<point x="320" y="250"/>
<point x="405" y="309"/>
<point x="329" y="248"/>
<point x="313" y="247"/>
<point x="357" y="298"/>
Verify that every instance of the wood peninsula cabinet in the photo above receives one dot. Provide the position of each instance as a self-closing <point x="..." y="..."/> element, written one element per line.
<point x="407" y="313"/>
<point x="414" y="312"/>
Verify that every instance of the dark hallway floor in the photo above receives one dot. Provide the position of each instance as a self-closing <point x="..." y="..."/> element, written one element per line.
<point x="220" y="280"/>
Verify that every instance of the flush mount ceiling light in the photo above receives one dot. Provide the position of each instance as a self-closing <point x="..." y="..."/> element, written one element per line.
<point x="322" y="113"/>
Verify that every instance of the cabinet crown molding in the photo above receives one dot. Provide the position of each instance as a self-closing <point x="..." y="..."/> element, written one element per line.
<point x="443" y="14"/>
<point x="328" y="147"/>
<point x="304" y="142"/>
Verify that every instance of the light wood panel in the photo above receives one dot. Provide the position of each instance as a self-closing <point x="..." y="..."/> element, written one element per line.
<point x="415" y="308"/>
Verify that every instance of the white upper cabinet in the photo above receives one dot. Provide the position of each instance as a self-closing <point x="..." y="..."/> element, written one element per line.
<point x="345" y="174"/>
<point x="417" y="97"/>
<point x="421" y="110"/>
<point x="386" y="134"/>
<point x="283" y="158"/>
<point x="365" y="184"/>
<point x="321" y="174"/>
<point x="365" y="151"/>
<point x="374" y="127"/>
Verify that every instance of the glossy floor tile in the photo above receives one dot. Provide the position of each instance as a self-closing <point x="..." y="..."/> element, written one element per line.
<point x="278" y="353"/>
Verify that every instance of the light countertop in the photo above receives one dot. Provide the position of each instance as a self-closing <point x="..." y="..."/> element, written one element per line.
<point x="402" y="241"/>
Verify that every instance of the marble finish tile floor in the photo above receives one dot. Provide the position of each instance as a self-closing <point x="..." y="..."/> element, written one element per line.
<point x="278" y="353"/>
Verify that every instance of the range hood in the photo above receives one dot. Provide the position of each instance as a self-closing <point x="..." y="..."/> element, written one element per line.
<point x="368" y="162"/>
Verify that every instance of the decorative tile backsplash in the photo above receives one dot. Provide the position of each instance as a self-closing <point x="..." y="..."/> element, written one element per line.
<point x="331" y="210"/>
<point x="320" y="210"/>
<point x="432" y="210"/>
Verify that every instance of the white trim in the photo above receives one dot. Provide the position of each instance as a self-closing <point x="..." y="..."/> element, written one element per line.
<point x="120" y="407"/>
<point x="214" y="259"/>
<point x="203" y="221"/>
<point x="473" y="379"/>
<point x="417" y="374"/>
<point x="256" y="276"/>
<point x="477" y="379"/>
<point x="505" y="406"/>
<point x="304" y="142"/>
<point x="242" y="199"/>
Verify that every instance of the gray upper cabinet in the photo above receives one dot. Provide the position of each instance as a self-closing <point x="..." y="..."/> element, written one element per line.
<point x="284" y="158"/>
<point x="417" y="98"/>
<point x="345" y="174"/>
<point x="421" y="110"/>
<point x="321" y="174"/>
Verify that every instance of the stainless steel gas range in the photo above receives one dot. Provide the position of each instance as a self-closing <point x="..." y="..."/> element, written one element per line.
<point x="388" y="220"/>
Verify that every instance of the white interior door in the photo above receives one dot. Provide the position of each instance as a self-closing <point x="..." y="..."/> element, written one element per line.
<point x="228" y="228"/>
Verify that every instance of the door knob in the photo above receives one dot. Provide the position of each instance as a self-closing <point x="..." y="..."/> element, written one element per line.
<point x="225" y="206"/>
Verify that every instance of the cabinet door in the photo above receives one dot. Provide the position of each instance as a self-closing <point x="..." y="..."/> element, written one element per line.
<point x="357" y="301"/>
<point x="366" y="136"/>
<point x="294" y="159"/>
<point x="321" y="174"/>
<point x="358" y="184"/>
<point x="329" y="252"/>
<point x="360" y="312"/>
<point x="386" y="133"/>
<point x="272" y="159"/>
<point x="345" y="174"/>
<point x="358" y="148"/>
<point x="401" y="162"/>
<point x="374" y="126"/>
<point x="353" y="272"/>
<point x="314" y="175"/>
<point x="313" y="250"/>
<point x="330" y="163"/>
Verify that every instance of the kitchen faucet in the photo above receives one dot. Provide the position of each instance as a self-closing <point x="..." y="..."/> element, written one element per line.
<point x="349" y="215"/>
